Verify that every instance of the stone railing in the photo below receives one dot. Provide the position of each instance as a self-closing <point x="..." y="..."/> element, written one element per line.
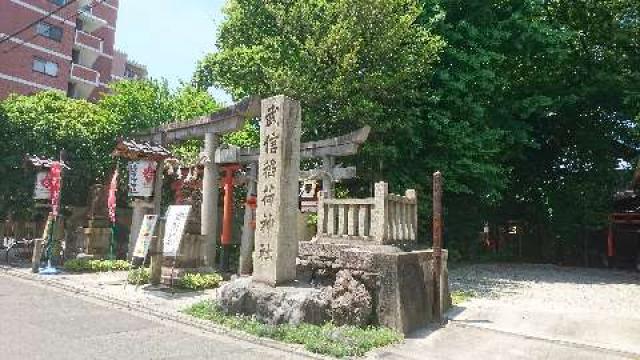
<point x="384" y="219"/>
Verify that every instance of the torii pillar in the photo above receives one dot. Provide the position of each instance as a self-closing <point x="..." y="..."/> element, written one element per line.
<point x="210" y="127"/>
<point x="210" y="195"/>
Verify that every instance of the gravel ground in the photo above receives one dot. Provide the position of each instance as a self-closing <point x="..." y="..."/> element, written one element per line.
<point x="549" y="286"/>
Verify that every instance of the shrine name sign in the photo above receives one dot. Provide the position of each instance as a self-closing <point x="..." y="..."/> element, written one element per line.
<point x="276" y="239"/>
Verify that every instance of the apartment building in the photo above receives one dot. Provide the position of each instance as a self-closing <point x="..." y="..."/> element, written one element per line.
<point x="125" y="69"/>
<point x="71" y="50"/>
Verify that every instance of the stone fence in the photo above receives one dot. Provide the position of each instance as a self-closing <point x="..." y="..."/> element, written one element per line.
<point x="380" y="220"/>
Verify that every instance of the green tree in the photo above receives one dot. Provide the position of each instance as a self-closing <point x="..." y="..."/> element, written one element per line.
<point x="559" y="89"/>
<point x="133" y="105"/>
<point x="48" y="122"/>
<point x="44" y="124"/>
<point x="371" y="64"/>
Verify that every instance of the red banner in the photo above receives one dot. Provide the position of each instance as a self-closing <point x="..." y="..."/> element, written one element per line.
<point x="111" y="200"/>
<point x="55" y="180"/>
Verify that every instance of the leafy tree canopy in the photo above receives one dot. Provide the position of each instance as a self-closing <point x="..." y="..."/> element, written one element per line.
<point x="525" y="105"/>
<point x="47" y="122"/>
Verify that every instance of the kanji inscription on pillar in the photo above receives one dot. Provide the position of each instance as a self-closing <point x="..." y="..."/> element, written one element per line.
<point x="276" y="240"/>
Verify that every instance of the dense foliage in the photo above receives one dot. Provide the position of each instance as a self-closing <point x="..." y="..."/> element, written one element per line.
<point x="528" y="107"/>
<point x="47" y="122"/>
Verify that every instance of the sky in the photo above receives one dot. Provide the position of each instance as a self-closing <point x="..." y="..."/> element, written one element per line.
<point x="169" y="36"/>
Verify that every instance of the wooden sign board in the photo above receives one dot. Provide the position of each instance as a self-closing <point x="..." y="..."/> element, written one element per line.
<point x="144" y="236"/>
<point x="177" y="217"/>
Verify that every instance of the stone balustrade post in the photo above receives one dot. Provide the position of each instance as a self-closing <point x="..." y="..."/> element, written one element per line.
<point x="379" y="213"/>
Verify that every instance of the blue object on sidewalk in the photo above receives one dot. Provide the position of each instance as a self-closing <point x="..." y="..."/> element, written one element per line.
<point x="49" y="270"/>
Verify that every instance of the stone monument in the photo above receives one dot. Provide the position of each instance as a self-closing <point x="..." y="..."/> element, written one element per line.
<point x="276" y="238"/>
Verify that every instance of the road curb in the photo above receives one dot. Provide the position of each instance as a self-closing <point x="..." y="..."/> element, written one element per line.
<point x="181" y="319"/>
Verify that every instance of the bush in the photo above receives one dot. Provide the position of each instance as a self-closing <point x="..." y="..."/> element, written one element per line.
<point x="329" y="339"/>
<point x="81" y="265"/>
<point x="200" y="281"/>
<point x="138" y="276"/>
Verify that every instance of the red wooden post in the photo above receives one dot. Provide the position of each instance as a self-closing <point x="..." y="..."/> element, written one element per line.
<point x="437" y="245"/>
<point x="227" y="217"/>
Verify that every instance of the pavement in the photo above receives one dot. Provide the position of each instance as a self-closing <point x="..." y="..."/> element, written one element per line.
<point x="518" y="312"/>
<point x="39" y="322"/>
<point x="534" y="312"/>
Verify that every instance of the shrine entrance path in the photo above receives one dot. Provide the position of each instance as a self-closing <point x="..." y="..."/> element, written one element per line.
<point x="520" y="311"/>
<point x="38" y="322"/>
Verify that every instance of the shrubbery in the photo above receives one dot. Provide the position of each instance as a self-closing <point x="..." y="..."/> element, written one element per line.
<point x="195" y="281"/>
<point x="80" y="265"/>
<point x="139" y="276"/>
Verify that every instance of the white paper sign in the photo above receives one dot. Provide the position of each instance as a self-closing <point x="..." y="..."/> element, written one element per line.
<point x="142" y="174"/>
<point x="144" y="236"/>
<point x="41" y="191"/>
<point x="177" y="216"/>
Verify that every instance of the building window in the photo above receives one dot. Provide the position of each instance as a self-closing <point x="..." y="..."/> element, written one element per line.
<point x="79" y="24"/>
<point x="75" y="56"/>
<point x="46" y="67"/>
<point x="71" y="90"/>
<point x="51" y="31"/>
<point x="129" y="73"/>
<point x="59" y="2"/>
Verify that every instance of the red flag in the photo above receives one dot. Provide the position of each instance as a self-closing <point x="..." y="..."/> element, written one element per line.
<point x="55" y="175"/>
<point x="111" y="200"/>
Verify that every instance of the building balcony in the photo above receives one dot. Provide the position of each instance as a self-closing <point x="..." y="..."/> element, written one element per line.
<point x="90" y="22"/>
<point x="84" y="81"/>
<point x="88" y="47"/>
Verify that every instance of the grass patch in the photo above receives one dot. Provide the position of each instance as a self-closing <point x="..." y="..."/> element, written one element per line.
<point x="327" y="339"/>
<point x="79" y="265"/>
<point x="460" y="296"/>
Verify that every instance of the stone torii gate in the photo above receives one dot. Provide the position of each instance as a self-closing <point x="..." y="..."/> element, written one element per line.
<point x="327" y="149"/>
<point x="210" y="128"/>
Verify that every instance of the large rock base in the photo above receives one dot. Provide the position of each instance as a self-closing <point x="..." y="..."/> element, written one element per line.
<point x="275" y="305"/>
<point x="401" y="283"/>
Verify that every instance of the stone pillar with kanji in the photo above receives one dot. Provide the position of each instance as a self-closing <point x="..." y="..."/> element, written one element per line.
<point x="276" y="238"/>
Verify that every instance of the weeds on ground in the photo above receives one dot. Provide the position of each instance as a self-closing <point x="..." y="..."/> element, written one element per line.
<point x="325" y="339"/>
<point x="460" y="296"/>
<point x="80" y="265"/>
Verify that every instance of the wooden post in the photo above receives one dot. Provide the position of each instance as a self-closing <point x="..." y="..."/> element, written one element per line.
<point x="437" y="246"/>
<point x="38" y="245"/>
<point x="156" y="243"/>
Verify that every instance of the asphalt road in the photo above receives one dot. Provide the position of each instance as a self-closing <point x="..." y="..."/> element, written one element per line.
<point x="42" y="323"/>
